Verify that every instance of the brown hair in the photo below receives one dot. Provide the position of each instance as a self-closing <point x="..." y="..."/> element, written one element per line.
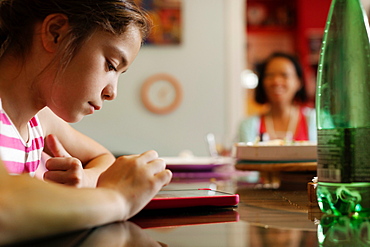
<point x="18" y="17"/>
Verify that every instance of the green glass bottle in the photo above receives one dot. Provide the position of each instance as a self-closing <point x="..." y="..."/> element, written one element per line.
<point x="343" y="111"/>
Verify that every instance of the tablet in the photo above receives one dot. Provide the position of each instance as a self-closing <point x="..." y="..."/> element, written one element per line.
<point x="183" y="217"/>
<point x="192" y="198"/>
<point x="196" y="163"/>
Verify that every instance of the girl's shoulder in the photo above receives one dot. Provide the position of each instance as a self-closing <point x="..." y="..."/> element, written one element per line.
<point x="48" y="120"/>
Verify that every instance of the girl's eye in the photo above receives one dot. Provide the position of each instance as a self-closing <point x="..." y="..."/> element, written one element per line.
<point x="110" y="66"/>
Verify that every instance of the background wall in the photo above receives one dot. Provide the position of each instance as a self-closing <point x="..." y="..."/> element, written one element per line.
<point x="207" y="64"/>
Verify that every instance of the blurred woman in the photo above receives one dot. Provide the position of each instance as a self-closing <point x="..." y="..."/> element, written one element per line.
<point x="281" y="86"/>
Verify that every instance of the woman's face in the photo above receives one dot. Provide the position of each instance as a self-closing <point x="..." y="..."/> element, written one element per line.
<point x="281" y="81"/>
<point x="92" y="75"/>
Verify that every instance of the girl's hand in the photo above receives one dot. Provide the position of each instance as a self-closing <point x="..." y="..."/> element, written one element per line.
<point x="63" y="168"/>
<point x="137" y="179"/>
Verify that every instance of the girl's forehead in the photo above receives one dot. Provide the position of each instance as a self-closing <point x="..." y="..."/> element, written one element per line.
<point x="131" y="35"/>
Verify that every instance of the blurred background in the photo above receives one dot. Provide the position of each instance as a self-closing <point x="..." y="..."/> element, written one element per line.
<point x="196" y="73"/>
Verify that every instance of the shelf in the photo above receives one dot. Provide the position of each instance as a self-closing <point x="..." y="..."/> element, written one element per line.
<point x="269" y="29"/>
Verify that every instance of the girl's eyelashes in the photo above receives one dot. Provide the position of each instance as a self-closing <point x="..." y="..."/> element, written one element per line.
<point x="111" y="66"/>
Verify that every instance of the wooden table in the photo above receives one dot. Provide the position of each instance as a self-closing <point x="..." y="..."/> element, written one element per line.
<point x="264" y="217"/>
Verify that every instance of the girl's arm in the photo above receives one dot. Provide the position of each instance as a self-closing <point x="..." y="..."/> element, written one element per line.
<point x="78" y="160"/>
<point x="30" y="208"/>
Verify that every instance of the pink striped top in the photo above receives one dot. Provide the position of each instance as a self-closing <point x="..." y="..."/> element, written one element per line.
<point x="20" y="156"/>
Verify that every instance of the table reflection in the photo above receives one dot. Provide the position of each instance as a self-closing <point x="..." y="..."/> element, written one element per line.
<point x="125" y="234"/>
<point x="280" y="237"/>
<point x="120" y="234"/>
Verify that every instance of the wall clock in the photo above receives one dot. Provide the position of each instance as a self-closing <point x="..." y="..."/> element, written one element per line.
<point x="161" y="93"/>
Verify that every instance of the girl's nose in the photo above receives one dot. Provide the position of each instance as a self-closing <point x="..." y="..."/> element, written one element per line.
<point x="109" y="92"/>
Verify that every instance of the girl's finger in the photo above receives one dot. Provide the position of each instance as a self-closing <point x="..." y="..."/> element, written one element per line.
<point x="157" y="165"/>
<point x="55" y="147"/>
<point x="164" y="177"/>
<point x="148" y="156"/>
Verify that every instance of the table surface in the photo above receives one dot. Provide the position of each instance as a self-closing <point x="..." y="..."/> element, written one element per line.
<point x="265" y="216"/>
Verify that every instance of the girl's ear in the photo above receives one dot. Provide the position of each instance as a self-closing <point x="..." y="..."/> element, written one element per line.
<point x="54" y="29"/>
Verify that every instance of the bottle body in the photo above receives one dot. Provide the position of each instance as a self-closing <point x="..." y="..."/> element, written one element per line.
<point x="343" y="111"/>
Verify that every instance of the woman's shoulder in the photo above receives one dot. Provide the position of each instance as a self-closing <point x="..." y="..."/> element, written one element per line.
<point x="251" y="120"/>
<point x="308" y="111"/>
<point x="249" y="128"/>
<point x="310" y="115"/>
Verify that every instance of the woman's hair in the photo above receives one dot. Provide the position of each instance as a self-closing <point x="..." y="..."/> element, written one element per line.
<point x="260" y="95"/>
<point x="18" y="18"/>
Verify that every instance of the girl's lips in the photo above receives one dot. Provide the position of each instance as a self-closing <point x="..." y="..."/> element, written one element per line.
<point x="96" y="108"/>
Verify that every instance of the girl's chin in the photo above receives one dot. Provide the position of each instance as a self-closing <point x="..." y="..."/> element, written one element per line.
<point x="73" y="119"/>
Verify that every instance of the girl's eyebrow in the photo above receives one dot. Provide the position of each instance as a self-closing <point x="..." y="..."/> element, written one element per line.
<point x="121" y="54"/>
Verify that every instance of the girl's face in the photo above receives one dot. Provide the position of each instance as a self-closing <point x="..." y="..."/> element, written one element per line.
<point x="92" y="75"/>
<point x="281" y="82"/>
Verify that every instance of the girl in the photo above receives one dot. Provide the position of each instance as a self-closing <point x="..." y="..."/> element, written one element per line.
<point x="59" y="61"/>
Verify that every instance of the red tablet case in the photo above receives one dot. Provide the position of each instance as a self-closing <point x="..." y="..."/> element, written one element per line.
<point x="152" y="219"/>
<point x="207" y="198"/>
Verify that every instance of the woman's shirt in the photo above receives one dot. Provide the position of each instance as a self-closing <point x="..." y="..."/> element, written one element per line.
<point x="20" y="156"/>
<point x="255" y="126"/>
